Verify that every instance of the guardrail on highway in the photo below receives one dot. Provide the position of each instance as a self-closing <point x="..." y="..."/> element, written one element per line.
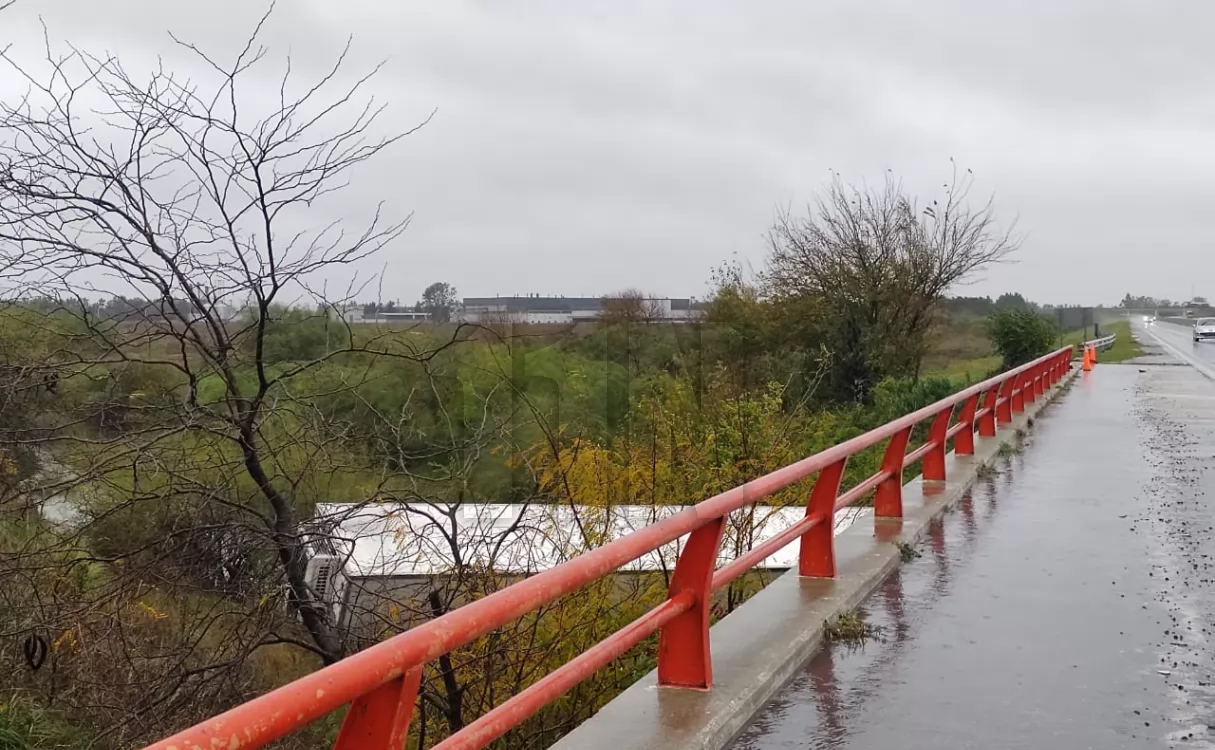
<point x="1101" y="344"/>
<point x="381" y="683"/>
<point x="1186" y="322"/>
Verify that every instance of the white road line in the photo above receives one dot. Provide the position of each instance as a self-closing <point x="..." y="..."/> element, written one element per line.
<point x="1187" y="358"/>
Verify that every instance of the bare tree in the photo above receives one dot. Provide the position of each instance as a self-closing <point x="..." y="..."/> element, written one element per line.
<point x="870" y="266"/>
<point x="626" y="317"/>
<point x="630" y="306"/>
<point x="197" y="442"/>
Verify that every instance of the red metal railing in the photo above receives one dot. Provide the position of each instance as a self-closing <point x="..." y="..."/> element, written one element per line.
<point x="381" y="683"/>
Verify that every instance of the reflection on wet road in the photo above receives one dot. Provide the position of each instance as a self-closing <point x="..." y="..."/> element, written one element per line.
<point x="1066" y="604"/>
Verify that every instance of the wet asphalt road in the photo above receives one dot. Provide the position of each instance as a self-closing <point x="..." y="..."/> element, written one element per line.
<point x="1068" y="603"/>
<point x="1183" y="347"/>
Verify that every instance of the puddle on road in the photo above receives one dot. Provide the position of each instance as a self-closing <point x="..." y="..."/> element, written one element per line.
<point x="838" y="683"/>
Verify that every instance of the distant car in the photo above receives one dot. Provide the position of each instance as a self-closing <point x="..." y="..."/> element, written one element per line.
<point x="1204" y="328"/>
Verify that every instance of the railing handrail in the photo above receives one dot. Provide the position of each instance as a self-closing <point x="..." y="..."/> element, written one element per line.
<point x="382" y="681"/>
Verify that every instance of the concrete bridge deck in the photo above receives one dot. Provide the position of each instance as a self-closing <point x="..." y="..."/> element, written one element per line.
<point x="1069" y="602"/>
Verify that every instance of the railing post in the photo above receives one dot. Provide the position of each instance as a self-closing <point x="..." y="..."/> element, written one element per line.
<point x="683" y="644"/>
<point x="1029" y="386"/>
<point x="987" y="422"/>
<point x="964" y="441"/>
<point x="1004" y="404"/>
<point x="888" y="500"/>
<point x="934" y="459"/>
<point x="379" y="720"/>
<point x="1018" y="394"/>
<point x="817" y="556"/>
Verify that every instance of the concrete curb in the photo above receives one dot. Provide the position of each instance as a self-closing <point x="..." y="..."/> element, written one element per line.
<point x="763" y="644"/>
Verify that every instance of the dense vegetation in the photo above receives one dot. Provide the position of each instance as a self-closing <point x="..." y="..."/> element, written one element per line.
<point x="168" y="545"/>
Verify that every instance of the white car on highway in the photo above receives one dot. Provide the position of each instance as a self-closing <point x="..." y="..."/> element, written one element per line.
<point x="1204" y="328"/>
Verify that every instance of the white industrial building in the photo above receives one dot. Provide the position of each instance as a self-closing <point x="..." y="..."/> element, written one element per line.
<point x="536" y="309"/>
<point x="386" y="550"/>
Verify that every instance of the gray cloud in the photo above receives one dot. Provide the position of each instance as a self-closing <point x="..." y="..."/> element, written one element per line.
<point x="583" y="147"/>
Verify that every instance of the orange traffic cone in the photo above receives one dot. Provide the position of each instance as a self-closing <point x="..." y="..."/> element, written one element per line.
<point x="1094" y="357"/>
<point x="1088" y="361"/>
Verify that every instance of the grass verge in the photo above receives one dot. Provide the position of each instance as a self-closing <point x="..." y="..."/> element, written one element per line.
<point x="966" y="371"/>
<point x="1125" y="346"/>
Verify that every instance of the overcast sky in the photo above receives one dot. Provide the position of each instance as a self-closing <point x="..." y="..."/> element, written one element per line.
<point x="582" y="147"/>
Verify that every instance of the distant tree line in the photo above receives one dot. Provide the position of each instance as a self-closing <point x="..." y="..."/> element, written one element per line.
<point x="981" y="307"/>
<point x="1131" y="302"/>
<point x="439" y="301"/>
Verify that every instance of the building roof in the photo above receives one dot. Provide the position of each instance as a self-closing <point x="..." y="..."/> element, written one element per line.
<point x="536" y="304"/>
<point x="418" y="539"/>
<point x="556" y="304"/>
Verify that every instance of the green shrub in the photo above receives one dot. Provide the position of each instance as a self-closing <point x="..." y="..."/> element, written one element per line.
<point x="1020" y="336"/>
<point x="295" y="335"/>
<point x="894" y="397"/>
